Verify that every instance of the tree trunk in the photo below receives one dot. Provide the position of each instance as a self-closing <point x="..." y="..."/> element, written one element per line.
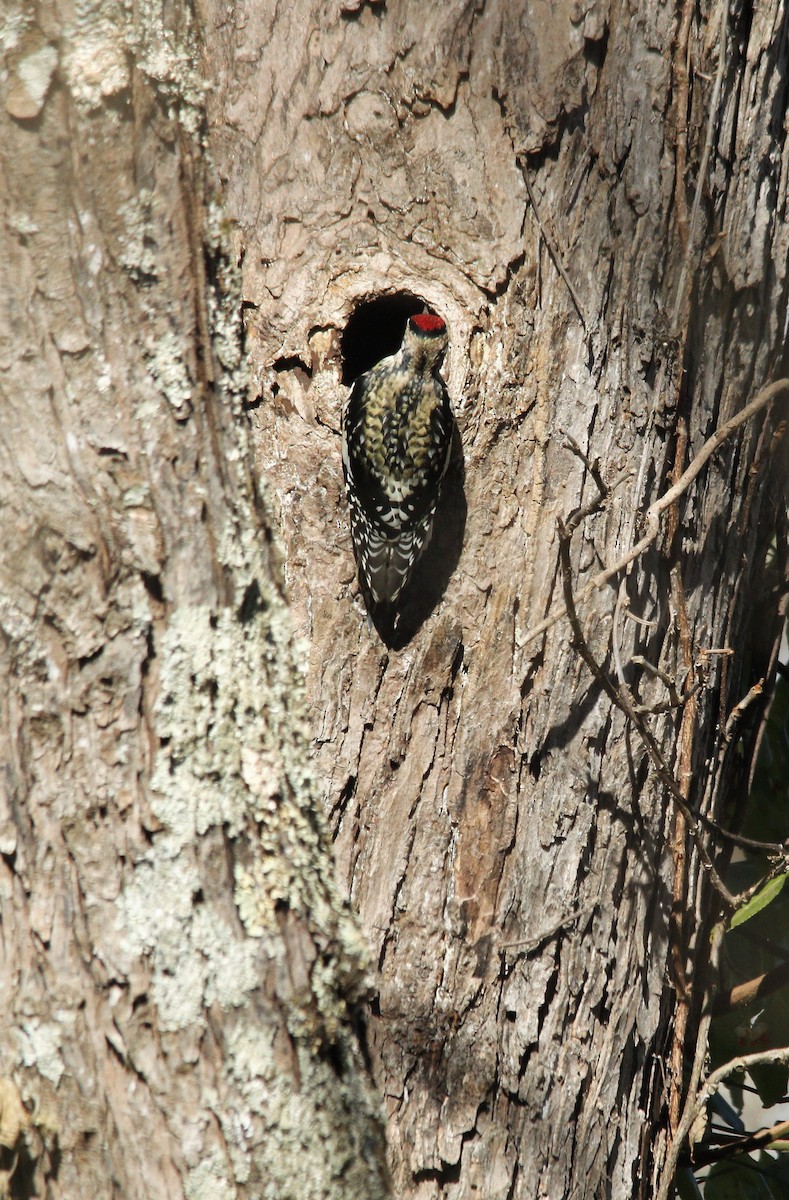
<point x="595" y="201"/>
<point x="177" y="968"/>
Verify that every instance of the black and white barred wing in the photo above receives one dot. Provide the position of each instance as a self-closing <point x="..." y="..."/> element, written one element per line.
<point x="392" y="507"/>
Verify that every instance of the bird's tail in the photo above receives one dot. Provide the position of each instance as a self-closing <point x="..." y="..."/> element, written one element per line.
<point x="388" y="562"/>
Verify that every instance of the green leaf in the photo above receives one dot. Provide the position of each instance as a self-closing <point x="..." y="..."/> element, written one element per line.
<point x="770" y="1081"/>
<point x="730" y="1181"/>
<point x="687" y="1187"/>
<point x="767" y="815"/>
<point x="756" y="903"/>
<point x="747" y="1178"/>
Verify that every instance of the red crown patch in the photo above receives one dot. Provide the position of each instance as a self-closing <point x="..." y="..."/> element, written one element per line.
<point x="428" y="323"/>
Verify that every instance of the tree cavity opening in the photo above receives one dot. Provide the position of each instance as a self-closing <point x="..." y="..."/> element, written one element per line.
<point x="375" y="330"/>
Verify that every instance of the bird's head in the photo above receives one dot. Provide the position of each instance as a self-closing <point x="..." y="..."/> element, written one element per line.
<point x="426" y="339"/>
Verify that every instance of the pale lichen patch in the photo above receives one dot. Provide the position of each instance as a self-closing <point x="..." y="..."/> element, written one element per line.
<point x="235" y="808"/>
<point x="170" y="64"/>
<point x="40" y="1045"/>
<point x="33" y="77"/>
<point x="95" y="60"/>
<point x="137" y="253"/>
<point x="168" y="370"/>
<point x="208" y="1181"/>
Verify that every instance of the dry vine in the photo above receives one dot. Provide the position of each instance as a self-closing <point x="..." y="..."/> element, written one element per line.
<point x="621" y="695"/>
<point x="619" y="692"/>
<point x="697" y="1099"/>
<point x="766" y="396"/>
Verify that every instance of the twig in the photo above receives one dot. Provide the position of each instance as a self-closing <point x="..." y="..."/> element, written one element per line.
<point x="667" y="680"/>
<point x="752" y="989"/>
<point x="670" y="684"/>
<point x="774" y="665"/>
<point x="642" y="621"/>
<point x="740" y="1144"/>
<point x="684" y="982"/>
<point x="695" y="1106"/>
<point x="778" y="848"/>
<point x="734" y="716"/>
<point x="652" y="516"/>
<point x="553" y="250"/>
<point x="657" y="710"/>
<point x="532" y="942"/>
<point x="592" y="467"/>
<point x="622" y="698"/>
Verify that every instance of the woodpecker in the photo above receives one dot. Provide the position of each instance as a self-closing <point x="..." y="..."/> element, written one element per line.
<point x="396" y="439"/>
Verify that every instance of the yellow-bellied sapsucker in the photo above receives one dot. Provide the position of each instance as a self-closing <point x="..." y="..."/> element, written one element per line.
<point x="397" y="434"/>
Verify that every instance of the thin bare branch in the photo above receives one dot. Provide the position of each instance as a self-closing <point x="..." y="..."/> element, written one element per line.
<point x="696" y="1102"/>
<point x="622" y="698"/>
<point x="734" y="716"/>
<point x="742" y="1144"/>
<point x="779" y="849"/>
<point x="667" y="680"/>
<point x="556" y="257"/>
<point x="657" y="710"/>
<point x="774" y="391"/>
<point x="752" y="989"/>
<point x="537" y="940"/>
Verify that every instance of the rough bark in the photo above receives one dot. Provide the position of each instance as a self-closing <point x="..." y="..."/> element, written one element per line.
<point x="177" y="969"/>
<point x="498" y="828"/>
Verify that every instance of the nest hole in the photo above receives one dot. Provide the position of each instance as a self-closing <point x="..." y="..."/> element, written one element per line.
<point x="374" y="330"/>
